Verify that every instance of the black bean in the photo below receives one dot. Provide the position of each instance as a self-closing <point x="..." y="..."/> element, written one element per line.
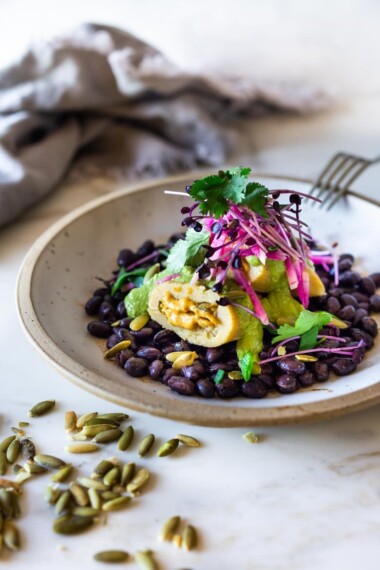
<point x="181" y="345"/>
<point x="321" y="371"/>
<point x="364" y="306"/>
<point x="154" y="325"/>
<point x="359" y="315"/>
<point x="220" y="366"/>
<point x="348" y="299"/>
<point x="358" y="355"/>
<point x="106" y="312"/>
<point x="143" y="334"/>
<point x="228" y="388"/>
<point x="125" y="322"/>
<point x="367" y="286"/>
<point x="205" y="387"/>
<point x="164" y="337"/>
<point x="168" y="348"/>
<point x="145" y="249"/>
<point x="370" y="326"/>
<point x="375" y="278"/>
<point x="343" y="366"/>
<point x="168" y="373"/>
<point x="255" y="388"/>
<point x="92" y="305"/>
<point x="374" y="301"/>
<point x="191" y="372"/>
<point x="291" y="365"/>
<point x="123" y="356"/>
<point x="359" y="335"/>
<point x="120" y="310"/>
<point x="336" y="291"/>
<point x="181" y="385"/>
<point x="268" y="379"/>
<point x="136" y="367"/>
<point x="101" y="330"/>
<point x="286" y="383"/>
<point x="347" y="313"/>
<point x="347" y="256"/>
<point x="156" y="368"/>
<point x="360" y="297"/>
<point x="307" y="378"/>
<point x="344" y="265"/>
<point x="214" y="354"/>
<point x="149" y="353"/>
<point x="349" y="278"/>
<point x="266" y="369"/>
<point x="123" y="334"/>
<point x="101" y="292"/>
<point x="292" y="346"/>
<point x="126" y="257"/>
<point x="333" y="305"/>
<point x="112" y="340"/>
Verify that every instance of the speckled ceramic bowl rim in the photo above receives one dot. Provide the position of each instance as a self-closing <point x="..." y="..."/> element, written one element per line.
<point x="202" y="413"/>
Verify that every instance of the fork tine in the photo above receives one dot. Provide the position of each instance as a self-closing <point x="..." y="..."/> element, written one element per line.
<point x="325" y="170"/>
<point x="330" y="180"/>
<point x="336" y="186"/>
<point x="329" y="173"/>
<point x="364" y="165"/>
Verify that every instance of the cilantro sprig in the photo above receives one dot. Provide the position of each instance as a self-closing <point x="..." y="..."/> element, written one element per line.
<point x="216" y="192"/>
<point x="188" y="251"/>
<point x="307" y="326"/>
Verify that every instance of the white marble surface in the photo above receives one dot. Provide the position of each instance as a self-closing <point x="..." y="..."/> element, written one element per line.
<point x="304" y="498"/>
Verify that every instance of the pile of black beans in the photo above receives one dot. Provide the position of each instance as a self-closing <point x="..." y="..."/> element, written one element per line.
<point x="353" y="301"/>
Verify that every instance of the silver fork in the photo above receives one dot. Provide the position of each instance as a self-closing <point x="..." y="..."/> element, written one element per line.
<point x="337" y="176"/>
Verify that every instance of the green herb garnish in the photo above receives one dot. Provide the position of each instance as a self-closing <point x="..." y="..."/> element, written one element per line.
<point x="188" y="251"/>
<point x="219" y="376"/>
<point x="124" y="276"/>
<point x="306" y="326"/>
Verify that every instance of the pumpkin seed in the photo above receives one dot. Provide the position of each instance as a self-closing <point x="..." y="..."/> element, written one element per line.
<point x="83" y="419"/>
<point x="63" y="502"/>
<point x="95" y="501"/>
<point x="108" y="436"/>
<point x="85" y="512"/>
<point x="126" y="438"/>
<point x="79" y="437"/>
<point x="117" y="348"/>
<point x="41" y="408"/>
<point x="92" y="483"/>
<point x="102" y="468"/>
<point x="127" y="473"/>
<point x="92" y="431"/>
<point x="112" y="556"/>
<point x="112" y="477"/>
<point x="101" y="421"/>
<point x="119" y="489"/>
<point x="52" y="494"/>
<point x="11" y="537"/>
<point x="13" y="451"/>
<point x="6" y="503"/>
<point x="115" y="324"/>
<point x="177" y="540"/>
<point x="115" y="416"/>
<point x="145" y="560"/>
<point x="18" y="431"/>
<point x="172" y="356"/>
<point x="72" y="524"/>
<point x="168" y="448"/>
<point x="15" y="506"/>
<point x="6" y="442"/>
<point x="169" y="528"/>
<point x="16" y="468"/>
<point x="146" y="444"/>
<point x="235" y="375"/>
<point x="184" y="360"/>
<point x="153" y="269"/>
<point x="82" y="448"/>
<point x="138" y="480"/>
<point x="22" y="476"/>
<point x="48" y="461"/>
<point x="62" y="474"/>
<point x="189" y="538"/>
<point x="139" y="322"/>
<point x="34" y="468"/>
<point x="188" y="440"/>
<point x="28" y="450"/>
<point x="70" y="421"/>
<point x="3" y="463"/>
<point x="116" y="504"/>
<point x="306" y="358"/>
<point x="80" y="494"/>
<point x="109" y="495"/>
<point x="7" y="484"/>
<point x="23" y="424"/>
<point x="251" y="437"/>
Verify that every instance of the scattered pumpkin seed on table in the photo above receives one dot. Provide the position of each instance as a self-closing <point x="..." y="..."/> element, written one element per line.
<point x="111" y="556"/>
<point x="70" y="421"/>
<point x="116" y="504"/>
<point x="13" y="451"/>
<point x="169" y="527"/>
<point x="251" y="437"/>
<point x="82" y="448"/>
<point x="72" y="524"/>
<point x="145" y="560"/>
<point x="138" y="480"/>
<point x="168" y="448"/>
<point x="6" y="442"/>
<point x="83" y="419"/>
<point x="146" y="444"/>
<point x="41" y="408"/>
<point x="102" y="468"/>
<point x="189" y="538"/>
<point x="127" y="473"/>
<point x="62" y="474"/>
<point x="126" y="438"/>
<point x="48" y="461"/>
<point x="107" y="436"/>
<point x="188" y="440"/>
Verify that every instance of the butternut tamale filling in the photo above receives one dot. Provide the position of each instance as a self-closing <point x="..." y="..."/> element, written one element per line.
<point x="185" y="313"/>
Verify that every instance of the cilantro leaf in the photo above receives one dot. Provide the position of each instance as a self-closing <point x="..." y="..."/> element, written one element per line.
<point x="309" y="339"/>
<point x="216" y="191"/>
<point x="188" y="251"/>
<point x="255" y="198"/>
<point x="306" y="321"/>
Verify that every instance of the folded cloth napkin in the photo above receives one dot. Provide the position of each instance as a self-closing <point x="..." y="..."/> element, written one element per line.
<point x="102" y="96"/>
